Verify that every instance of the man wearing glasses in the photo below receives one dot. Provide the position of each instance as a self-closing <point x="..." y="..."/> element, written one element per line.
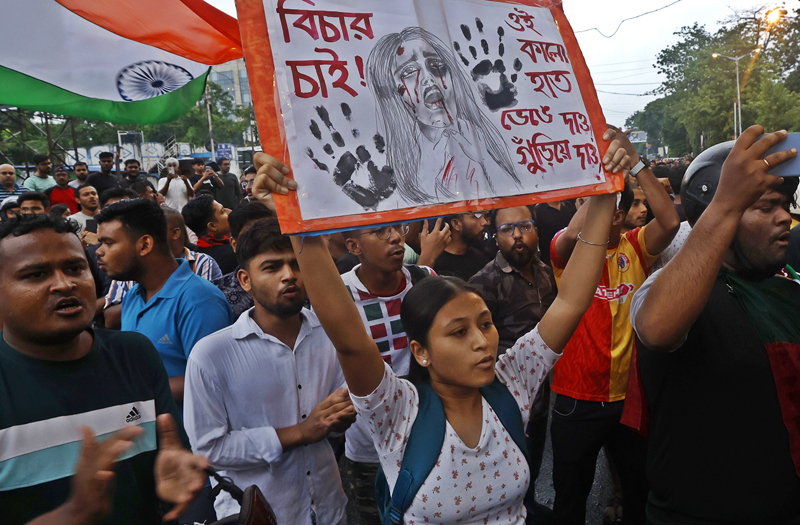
<point x="462" y="257"/>
<point x="378" y="285"/>
<point x="518" y="289"/>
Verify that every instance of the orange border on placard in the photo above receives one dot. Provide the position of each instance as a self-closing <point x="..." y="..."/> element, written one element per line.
<point x="261" y="74"/>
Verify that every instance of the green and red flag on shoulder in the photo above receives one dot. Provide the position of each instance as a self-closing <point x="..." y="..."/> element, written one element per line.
<point x="141" y="62"/>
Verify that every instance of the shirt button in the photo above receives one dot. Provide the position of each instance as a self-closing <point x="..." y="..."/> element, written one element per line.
<point x="308" y="473"/>
<point x="300" y="387"/>
<point x="303" y="416"/>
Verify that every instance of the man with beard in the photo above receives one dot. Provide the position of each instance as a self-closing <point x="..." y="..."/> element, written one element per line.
<point x="518" y="289"/>
<point x="719" y="361"/>
<point x="58" y="377"/>
<point x="61" y="193"/>
<point x="170" y="304"/>
<point x="81" y="174"/>
<point x="462" y="258"/>
<point x="87" y="197"/>
<point x="132" y="173"/>
<point x="262" y="394"/>
<point x="41" y="180"/>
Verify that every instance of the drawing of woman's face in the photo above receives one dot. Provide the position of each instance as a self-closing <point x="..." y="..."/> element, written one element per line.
<point x="425" y="84"/>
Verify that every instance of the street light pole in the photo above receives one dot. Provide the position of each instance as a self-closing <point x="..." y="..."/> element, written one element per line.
<point x="736" y="131"/>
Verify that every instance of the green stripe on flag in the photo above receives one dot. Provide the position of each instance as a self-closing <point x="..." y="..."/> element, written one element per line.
<point x="23" y="91"/>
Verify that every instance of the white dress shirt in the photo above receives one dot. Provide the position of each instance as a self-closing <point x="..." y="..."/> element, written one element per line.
<point x="241" y="385"/>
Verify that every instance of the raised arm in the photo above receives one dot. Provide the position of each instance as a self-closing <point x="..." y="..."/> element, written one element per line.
<point x="358" y="354"/>
<point x="581" y="275"/>
<point x="680" y="292"/>
<point x="565" y="243"/>
<point x="665" y="224"/>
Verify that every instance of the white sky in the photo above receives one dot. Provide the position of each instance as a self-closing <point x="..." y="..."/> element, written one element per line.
<point x="636" y="44"/>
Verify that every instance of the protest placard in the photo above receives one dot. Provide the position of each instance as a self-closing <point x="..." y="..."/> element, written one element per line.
<point x="393" y="111"/>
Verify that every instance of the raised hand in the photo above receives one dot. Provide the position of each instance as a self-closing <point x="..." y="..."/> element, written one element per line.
<point x="497" y="92"/>
<point x="744" y="177"/>
<point x="433" y="244"/>
<point x="350" y="169"/>
<point x="621" y="154"/>
<point x="180" y="475"/>
<point x="331" y="414"/>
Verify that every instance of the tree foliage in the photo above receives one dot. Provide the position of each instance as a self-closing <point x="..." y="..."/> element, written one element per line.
<point x="699" y="92"/>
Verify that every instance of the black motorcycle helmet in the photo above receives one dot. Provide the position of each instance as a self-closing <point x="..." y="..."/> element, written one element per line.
<point x="701" y="180"/>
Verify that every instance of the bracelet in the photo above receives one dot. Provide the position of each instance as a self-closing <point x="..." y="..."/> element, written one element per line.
<point x="590" y="243"/>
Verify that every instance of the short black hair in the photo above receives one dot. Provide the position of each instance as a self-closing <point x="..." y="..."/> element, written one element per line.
<point x="676" y="177"/>
<point x="79" y="188"/>
<point x="198" y="212"/>
<point x="250" y="169"/>
<point x="34" y="196"/>
<point x="213" y="165"/>
<point x="105" y="155"/>
<point x="80" y="163"/>
<point x="245" y="213"/>
<point x="197" y="161"/>
<point x="58" y="210"/>
<point x="661" y="171"/>
<point x="139" y="216"/>
<point x="25" y="224"/>
<point x="131" y="161"/>
<point x="141" y="186"/>
<point x="264" y="236"/>
<point x="220" y="159"/>
<point x="626" y="198"/>
<point x="116" y="193"/>
<point x="39" y="158"/>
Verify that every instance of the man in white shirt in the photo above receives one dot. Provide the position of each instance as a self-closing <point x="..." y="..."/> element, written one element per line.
<point x="175" y="187"/>
<point x="262" y="394"/>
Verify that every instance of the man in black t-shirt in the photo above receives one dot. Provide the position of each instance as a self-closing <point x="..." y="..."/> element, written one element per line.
<point x="462" y="256"/>
<point x="719" y="362"/>
<point x="62" y="382"/>
<point x="104" y="180"/>
<point x="209" y="220"/>
<point x="551" y="218"/>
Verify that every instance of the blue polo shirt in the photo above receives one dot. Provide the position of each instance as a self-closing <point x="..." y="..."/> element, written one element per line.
<point x="185" y="310"/>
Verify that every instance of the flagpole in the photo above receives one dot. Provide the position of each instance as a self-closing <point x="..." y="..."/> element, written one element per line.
<point x="210" y="126"/>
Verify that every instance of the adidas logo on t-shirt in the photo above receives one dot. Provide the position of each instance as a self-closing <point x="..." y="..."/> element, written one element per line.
<point x="165" y="340"/>
<point x="133" y="415"/>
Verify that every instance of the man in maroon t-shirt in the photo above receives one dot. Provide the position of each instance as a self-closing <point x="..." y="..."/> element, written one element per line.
<point x="61" y="193"/>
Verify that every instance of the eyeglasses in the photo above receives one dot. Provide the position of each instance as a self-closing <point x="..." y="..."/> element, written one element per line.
<point x="508" y="228"/>
<point x="386" y="232"/>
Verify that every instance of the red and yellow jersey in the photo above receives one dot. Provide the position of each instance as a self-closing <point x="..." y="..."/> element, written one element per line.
<point x="596" y="361"/>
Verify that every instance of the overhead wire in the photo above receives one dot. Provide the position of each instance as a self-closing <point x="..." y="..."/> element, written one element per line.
<point x="627" y="19"/>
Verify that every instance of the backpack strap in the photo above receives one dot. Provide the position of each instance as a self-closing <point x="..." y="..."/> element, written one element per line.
<point x="417" y="273"/>
<point x="421" y="453"/>
<point x="505" y="406"/>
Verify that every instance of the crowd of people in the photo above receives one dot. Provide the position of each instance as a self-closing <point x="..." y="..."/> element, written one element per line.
<point x="154" y="334"/>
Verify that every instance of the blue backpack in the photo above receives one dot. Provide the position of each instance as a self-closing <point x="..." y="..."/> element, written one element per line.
<point x="425" y="443"/>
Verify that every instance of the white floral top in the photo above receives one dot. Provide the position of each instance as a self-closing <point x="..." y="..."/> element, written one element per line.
<point x="479" y="485"/>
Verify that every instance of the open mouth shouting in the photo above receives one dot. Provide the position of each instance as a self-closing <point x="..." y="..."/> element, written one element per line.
<point x="68" y="307"/>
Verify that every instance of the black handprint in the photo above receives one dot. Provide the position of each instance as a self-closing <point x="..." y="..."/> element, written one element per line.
<point x="381" y="181"/>
<point x="495" y="98"/>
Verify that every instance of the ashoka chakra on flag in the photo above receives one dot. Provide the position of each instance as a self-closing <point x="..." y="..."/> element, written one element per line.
<point x="150" y="78"/>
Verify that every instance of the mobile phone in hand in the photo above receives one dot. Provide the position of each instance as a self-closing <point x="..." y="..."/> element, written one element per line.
<point x="91" y="225"/>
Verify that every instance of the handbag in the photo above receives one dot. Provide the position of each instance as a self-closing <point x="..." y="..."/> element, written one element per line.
<point x="255" y="509"/>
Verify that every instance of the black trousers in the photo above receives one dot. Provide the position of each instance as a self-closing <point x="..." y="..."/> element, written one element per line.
<point x="578" y="431"/>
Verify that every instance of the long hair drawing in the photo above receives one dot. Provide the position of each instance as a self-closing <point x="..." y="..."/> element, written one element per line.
<point x="399" y="127"/>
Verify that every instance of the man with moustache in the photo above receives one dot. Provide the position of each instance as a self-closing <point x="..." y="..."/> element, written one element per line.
<point x="81" y="174"/>
<point x="61" y="193"/>
<point x="461" y="257"/>
<point x="637" y="215"/>
<point x="104" y="180"/>
<point x="720" y="344"/>
<point x="170" y="304"/>
<point x="8" y="182"/>
<point x="62" y="383"/>
<point x="518" y="289"/>
<point x="40" y="181"/>
<point x="262" y="394"/>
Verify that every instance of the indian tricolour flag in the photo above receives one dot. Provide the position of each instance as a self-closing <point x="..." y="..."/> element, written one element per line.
<point x="126" y="61"/>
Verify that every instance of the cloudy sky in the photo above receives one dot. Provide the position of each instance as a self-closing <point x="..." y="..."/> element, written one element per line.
<point x="624" y="63"/>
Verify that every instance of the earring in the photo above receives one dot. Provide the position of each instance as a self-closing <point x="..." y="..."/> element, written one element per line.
<point x="424" y="361"/>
